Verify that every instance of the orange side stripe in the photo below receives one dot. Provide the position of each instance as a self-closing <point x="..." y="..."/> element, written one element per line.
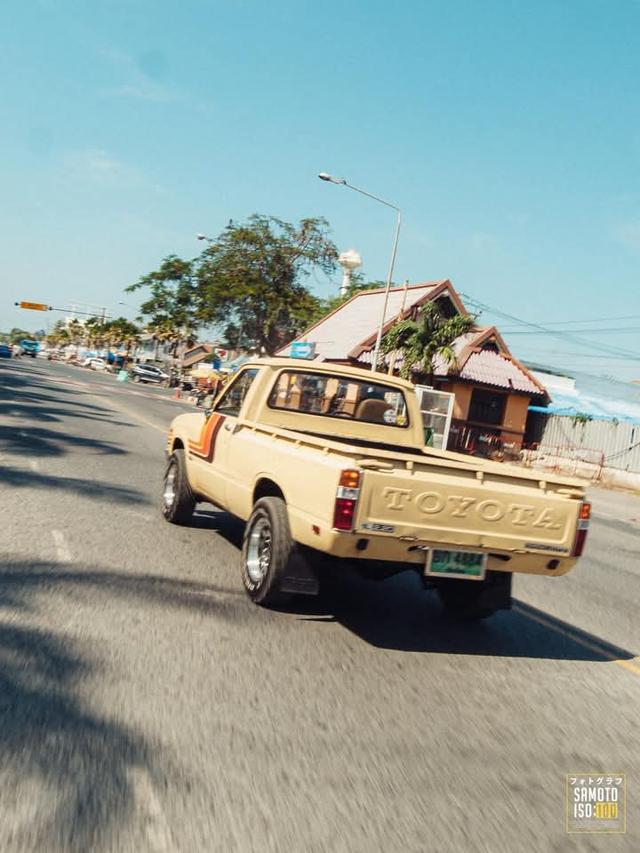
<point x="205" y="435"/>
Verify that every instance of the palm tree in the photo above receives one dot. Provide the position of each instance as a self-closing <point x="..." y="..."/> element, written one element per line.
<point x="426" y="339"/>
<point x="95" y="329"/>
<point x="162" y="330"/>
<point x="76" y="330"/>
<point x="124" y="332"/>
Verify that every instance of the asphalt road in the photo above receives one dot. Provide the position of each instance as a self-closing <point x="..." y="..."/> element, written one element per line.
<point x="147" y="705"/>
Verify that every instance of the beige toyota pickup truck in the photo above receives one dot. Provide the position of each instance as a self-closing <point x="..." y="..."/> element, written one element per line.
<point x="327" y="466"/>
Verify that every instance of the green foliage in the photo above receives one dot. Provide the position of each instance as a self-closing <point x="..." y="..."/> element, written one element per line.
<point x="171" y="311"/>
<point x="95" y="333"/>
<point x="16" y="335"/>
<point x="251" y="278"/>
<point x="422" y="340"/>
<point x="581" y="418"/>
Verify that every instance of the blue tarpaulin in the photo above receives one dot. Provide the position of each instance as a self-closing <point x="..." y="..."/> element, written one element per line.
<point x="599" y="399"/>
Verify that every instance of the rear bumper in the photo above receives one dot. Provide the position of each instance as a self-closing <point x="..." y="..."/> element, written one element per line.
<point x="360" y="546"/>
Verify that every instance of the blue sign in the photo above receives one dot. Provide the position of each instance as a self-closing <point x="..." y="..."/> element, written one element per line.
<point x="303" y="349"/>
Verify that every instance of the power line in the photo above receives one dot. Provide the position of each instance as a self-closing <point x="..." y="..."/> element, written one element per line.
<point x="595" y="320"/>
<point x="617" y="329"/>
<point x="585" y="355"/>
<point x="593" y="345"/>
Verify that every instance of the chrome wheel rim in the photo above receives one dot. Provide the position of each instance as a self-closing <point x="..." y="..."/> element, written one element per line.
<point x="259" y="550"/>
<point x="169" y="493"/>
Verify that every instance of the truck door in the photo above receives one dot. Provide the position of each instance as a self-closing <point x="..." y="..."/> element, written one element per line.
<point x="209" y="453"/>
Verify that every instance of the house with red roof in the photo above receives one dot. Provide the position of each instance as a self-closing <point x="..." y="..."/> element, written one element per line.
<point x="492" y="389"/>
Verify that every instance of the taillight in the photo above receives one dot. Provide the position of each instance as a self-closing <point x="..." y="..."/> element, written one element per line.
<point x="346" y="500"/>
<point x="583" y="528"/>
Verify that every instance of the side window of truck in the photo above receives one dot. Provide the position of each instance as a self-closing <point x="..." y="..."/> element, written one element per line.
<point x="231" y="401"/>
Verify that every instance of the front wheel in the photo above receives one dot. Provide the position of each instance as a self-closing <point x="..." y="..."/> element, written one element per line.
<point x="266" y="550"/>
<point x="178" y="502"/>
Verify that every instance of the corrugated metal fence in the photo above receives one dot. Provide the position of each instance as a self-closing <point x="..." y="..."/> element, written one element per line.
<point x="619" y="442"/>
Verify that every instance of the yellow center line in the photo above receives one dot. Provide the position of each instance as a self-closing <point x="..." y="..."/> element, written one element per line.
<point x="632" y="665"/>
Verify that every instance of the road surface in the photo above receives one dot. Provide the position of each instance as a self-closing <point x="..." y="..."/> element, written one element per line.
<point x="147" y="705"/>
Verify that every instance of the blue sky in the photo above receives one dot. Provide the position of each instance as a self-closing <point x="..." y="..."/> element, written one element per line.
<point x="508" y="133"/>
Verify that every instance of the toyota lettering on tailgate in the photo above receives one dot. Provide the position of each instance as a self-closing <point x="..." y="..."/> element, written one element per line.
<point x="459" y="506"/>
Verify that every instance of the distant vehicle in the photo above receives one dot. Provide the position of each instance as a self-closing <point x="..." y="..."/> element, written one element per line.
<point x="5" y="351"/>
<point x="95" y="364"/>
<point x="148" y="373"/>
<point x="30" y="347"/>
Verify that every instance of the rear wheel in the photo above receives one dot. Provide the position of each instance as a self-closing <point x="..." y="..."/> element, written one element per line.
<point x="266" y="550"/>
<point x="178" y="502"/>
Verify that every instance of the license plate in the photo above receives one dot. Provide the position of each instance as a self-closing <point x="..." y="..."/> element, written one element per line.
<point x="467" y="565"/>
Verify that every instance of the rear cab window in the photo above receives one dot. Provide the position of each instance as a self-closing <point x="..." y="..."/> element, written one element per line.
<point x="339" y="397"/>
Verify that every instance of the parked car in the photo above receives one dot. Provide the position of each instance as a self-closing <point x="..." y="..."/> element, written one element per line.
<point x="95" y="364"/>
<point x="148" y="373"/>
<point x="5" y="351"/>
<point x="29" y="347"/>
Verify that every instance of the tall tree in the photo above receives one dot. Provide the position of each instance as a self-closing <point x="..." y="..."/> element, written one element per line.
<point x="427" y="338"/>
<point x="58" y="336"/>
<point x="171" y="311"/>
<point x="16" y="335"/>
<point x="251" y="278"/>
<point x="95" y="332"/>
<point x="76" y="331"/>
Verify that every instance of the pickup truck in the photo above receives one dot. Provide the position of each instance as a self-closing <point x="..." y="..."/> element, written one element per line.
<point x="328" y="467"/>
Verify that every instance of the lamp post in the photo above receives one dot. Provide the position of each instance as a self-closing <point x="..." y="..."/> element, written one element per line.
<point x="326" y="177"/>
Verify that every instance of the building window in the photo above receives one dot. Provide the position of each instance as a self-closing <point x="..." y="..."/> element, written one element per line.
<point x="487" y="407"/>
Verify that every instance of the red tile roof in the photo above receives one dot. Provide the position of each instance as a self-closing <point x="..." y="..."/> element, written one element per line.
<point x="494" y="368"/>
<point x="195" y="355"/>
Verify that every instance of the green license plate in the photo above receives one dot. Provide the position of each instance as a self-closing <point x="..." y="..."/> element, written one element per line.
<point x="468" y="565"/>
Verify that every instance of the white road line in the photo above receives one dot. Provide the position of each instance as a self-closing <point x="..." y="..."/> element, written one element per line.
<point x="62" y="549"/>
<point x="150" y="810"/>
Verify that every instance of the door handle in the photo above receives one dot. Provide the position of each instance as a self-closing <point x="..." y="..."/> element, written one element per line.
<point x="229" y="426"/>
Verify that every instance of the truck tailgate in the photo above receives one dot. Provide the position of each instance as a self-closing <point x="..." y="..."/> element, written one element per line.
<point x="493" y="511"/>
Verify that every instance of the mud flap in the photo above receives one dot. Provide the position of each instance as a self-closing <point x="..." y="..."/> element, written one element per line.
<point x="300" y="577"/>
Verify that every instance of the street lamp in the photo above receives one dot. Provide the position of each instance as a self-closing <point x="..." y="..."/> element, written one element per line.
<point x="324" y="176"/>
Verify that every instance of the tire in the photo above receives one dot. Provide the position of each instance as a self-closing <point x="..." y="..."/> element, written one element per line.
<point x="266" y="550"/>
<point x="461" y="600"/>
<point x="178" y="502"/>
